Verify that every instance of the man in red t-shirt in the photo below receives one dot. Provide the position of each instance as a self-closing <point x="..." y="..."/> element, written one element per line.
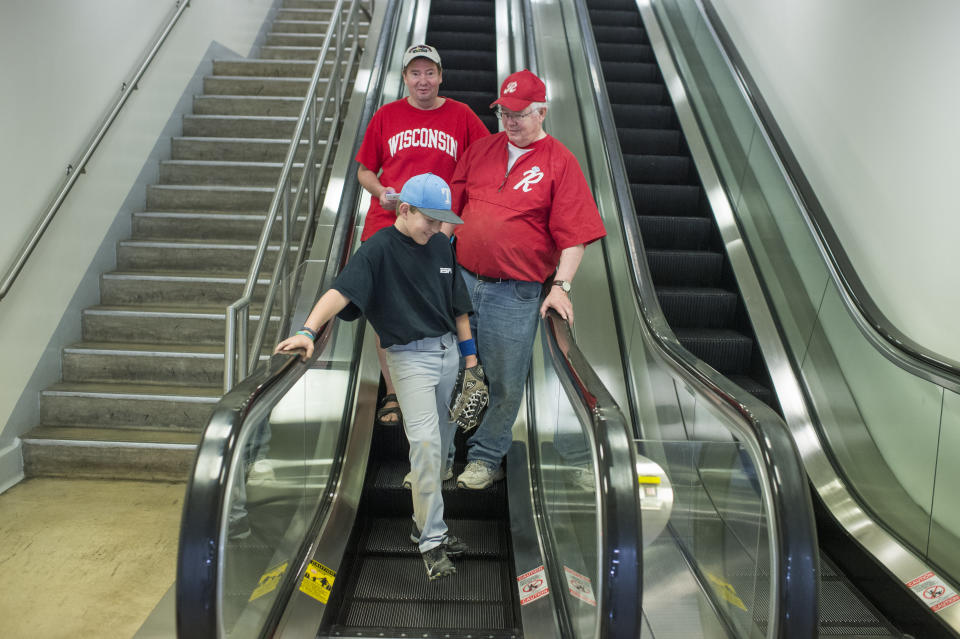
<point x="528" y="215"/>
<point x="421" y="133"/>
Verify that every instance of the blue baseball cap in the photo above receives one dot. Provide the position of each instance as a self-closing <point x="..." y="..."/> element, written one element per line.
<point x="431" y="196"/>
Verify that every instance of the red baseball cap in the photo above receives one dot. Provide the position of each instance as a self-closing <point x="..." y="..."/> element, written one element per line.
<point x="519" y="90"/>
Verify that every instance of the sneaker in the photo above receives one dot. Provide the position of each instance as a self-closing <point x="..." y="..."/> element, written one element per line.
<point x="408" y="478"/>
<point x="437" y="563"/>
<point x="261" y="471"/>
<point x="239" y="529"/>
<point x="583" y="479"/>
<point x="451" y="544"/>
<point x="479" y="475"/>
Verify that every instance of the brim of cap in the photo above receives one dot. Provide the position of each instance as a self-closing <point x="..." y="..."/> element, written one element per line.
<point x="514" y="104"/>
<point x="440" y="214"/>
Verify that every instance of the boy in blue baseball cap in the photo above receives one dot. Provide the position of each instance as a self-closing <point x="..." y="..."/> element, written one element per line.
<point x="406" y="281"/>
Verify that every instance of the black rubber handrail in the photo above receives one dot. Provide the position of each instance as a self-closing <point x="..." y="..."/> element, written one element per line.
<point x="620" y="567"/>
<point x="202" y="522"/>
<point x="792" y="518"/>
<point x="894" y="345"/>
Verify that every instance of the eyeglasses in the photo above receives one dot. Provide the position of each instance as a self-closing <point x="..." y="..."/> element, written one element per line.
<point x="510" y="115"/>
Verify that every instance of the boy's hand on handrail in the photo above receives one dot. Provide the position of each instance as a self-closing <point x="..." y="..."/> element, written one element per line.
<point x="296" y="342"/>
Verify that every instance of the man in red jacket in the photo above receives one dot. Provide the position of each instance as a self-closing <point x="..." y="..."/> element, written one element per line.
<point x="528" y="215"/>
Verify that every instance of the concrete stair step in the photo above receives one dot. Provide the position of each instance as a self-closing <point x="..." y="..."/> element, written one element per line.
<point x="176" y="287"/>
<point x="321" y="14"/>
<point x="175" y="364"/>
<point x="301" y="25"/>
<point x="175" y="197"/>
<point x="108" y="453"/>
<point x="235" y="149"/>
<point x="242" y="85"/>
<point x="263" y="106"/>
<point x="289" y="52"/>
<point x="209" y="172"/>
<point x="155" y="324"/>
<point x="243" y="126"/>
<point x="309" y="4"/>
<point x="278" y="37"/>
<point x="267" y="68"/>
<point x="206" y="225"/>
<point x="128" y="405"/>
<point x="203" y="256"/>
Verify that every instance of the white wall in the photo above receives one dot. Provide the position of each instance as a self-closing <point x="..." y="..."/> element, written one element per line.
<point x="61" y="67"/>
<point x="867" y="94"/>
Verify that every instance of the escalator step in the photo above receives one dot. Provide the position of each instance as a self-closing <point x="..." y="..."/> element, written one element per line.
<point x="392" y="616"/>
<point x="654" y="93"/>
<point x="665" y="199"/>
<point x="462" y="7"/>
<point x="668" y="232"/>
<point x="405" y="579"/>
<point x="455" y="59"/>
<point x="620" y="34"/>
<point x="685" y="268"/>
<point x="630" y="71"/>
<point x="465" y="24"/>
<point x="697" y="307"/>
<point x="653" y="141"/>
<point x="485" y="538"/>
<point x="612" y="52"/>
<point x="612" y="17"/>
<point x="614" y="5"/>
<point x="471" y="79"/>
<point x="444" y="39"/>
<point x="386" y="496"/>
<point x="726" y="350"/>
<point x="658" y="169"/>
<point x="644" y="116"/>
<point x="755" y="388"/>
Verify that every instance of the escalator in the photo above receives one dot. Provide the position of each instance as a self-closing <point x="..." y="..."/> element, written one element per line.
<point x="318" y="544"/>
<point x="694" y="283"/>
<point x="678" y="239"/>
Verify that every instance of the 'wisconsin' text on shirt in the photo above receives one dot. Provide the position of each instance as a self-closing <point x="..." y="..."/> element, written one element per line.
<point x="425" y="138"/>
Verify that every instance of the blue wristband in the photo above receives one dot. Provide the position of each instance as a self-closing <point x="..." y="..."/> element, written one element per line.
<point x="467" y="347"/>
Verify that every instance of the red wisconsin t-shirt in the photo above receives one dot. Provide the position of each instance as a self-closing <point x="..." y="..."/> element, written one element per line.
<point x="405" y="141"/>
<point x="516" y="224"/>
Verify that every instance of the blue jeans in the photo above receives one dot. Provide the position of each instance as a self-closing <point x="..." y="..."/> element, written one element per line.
<point x="504" y="324"/>
<point x="424" y="372"/>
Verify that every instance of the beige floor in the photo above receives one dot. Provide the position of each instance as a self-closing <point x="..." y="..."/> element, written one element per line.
<point x="85" y="558"/>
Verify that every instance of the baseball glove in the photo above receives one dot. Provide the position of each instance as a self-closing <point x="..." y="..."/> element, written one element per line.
<point x="469" y="399"/>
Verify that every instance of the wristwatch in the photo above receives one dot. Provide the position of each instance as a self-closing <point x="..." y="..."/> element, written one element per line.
<point x="563" y="284"/>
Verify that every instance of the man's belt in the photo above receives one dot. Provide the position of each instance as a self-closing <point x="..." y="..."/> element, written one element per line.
<point x="484" y="278"/>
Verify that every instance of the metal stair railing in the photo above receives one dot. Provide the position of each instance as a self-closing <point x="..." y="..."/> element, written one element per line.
<point x="241" y="355"/>
<point x="74" y="171"/>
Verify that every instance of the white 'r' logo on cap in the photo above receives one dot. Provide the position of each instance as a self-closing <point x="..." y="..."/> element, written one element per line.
<point x="510" y="88"/>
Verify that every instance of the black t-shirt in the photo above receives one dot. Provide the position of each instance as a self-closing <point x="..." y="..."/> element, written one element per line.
<point x="408" y="291"/>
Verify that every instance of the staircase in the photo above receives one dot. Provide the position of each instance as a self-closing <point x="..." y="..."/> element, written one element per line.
<point x="137" y="390"/>
<point x="695" y="284"/>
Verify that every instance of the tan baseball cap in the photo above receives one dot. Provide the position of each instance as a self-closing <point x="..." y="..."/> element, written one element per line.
<point x="421" y="51"/>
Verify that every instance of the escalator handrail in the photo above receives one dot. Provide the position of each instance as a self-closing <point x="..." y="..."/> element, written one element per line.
<point x="876" y="327"/>
<point x="792" y="510"/>
<point x="202" y="521"/>
<point x="620" y="565"/>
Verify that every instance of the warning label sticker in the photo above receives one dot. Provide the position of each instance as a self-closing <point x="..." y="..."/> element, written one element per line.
<point x="532" y="585"/>
<point x="580" y="586"/>
<point x="726" y="591"/>
<point x="318" y="581"/>
<point x="933" y="591"/>
<point x="269" y="581"/>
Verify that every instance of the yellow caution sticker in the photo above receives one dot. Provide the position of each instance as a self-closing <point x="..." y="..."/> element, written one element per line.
<point x="726" y="591"/>
<point x="648" y="479"/>
<point x="318" y="581"/>
<point x="269" y="581"/>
